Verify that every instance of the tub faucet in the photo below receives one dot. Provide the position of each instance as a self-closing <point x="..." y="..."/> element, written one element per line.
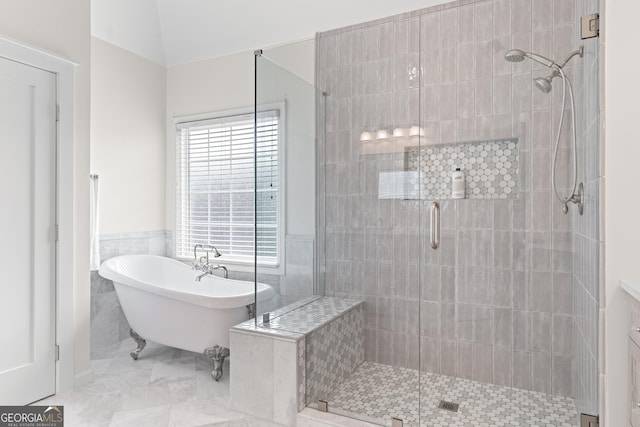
<point x="208" y="271"/>
<point x="203" y="262"/>
<point x="226" y="272"/>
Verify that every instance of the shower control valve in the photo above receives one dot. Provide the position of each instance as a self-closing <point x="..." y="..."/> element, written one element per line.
<point x="577" y="198"/>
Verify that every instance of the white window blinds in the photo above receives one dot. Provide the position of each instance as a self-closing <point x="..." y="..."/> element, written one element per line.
<point x="215" y="186"/>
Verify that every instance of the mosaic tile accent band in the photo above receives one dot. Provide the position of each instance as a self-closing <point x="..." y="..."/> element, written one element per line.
<point x="333" y="352"/>
<point x="377" y="392"/>
<point x="490" y="168"/>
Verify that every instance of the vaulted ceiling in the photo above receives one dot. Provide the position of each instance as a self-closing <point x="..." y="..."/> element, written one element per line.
<point x="171" y="32"/>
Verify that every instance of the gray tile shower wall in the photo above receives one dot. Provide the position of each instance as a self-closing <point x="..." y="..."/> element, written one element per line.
<point x="108" y="323"/>
<point x="587" y="237"/>
<point x="496" y="302"/>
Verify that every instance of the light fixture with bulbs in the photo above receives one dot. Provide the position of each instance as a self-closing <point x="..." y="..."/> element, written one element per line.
<point x="398" y="133"/>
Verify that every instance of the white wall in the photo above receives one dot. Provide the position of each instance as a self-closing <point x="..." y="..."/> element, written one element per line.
<point x="227" y="83"/>
<point x="128" y="139"/>
<point x="622" y="207"/>
<point x="297" y="57"/>
<point x="62" y="27"/>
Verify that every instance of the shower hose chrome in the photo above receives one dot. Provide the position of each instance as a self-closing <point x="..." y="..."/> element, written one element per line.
<point x="544" y="84"/>
<point x="572" y="196"/>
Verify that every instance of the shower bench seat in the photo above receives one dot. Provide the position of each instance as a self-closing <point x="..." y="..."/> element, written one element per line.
<point x="303" y="352"/>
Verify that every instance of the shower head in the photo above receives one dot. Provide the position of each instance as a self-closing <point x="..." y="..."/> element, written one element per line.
<point x="543" y="83"/>
<point x="517" y="55"/>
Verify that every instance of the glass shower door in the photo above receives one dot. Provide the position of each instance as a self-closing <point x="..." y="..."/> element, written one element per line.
<point x="371" y="212"/>
<point x="509" y="301"/>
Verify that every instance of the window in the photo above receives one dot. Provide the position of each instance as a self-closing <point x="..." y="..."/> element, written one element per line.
<point x="215" y="186"/>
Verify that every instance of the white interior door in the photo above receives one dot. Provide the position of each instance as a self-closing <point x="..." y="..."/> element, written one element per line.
<point x="27" y="233"/>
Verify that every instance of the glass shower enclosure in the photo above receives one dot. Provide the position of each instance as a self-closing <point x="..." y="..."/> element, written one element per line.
<point x="480" y="309"/>
<point x="285" y="161"/>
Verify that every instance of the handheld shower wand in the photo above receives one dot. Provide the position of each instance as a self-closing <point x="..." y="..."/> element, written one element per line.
<point x="544" y="85"/>
<point x="517" y="55"/>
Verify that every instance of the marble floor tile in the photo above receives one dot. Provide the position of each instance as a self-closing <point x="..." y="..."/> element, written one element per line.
<point x="87" y="407"/>
<point x="193" y="413"/>
<point x="156" y="395"/>
<point x="164" y="387"/>
<point x="173" y="370"/>
<point x="100" y="366"/>
<point x="147" y="417"/>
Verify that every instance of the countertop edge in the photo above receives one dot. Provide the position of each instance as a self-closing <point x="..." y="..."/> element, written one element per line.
<point x="632" y="288"/>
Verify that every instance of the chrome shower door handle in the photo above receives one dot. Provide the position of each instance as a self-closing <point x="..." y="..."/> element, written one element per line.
<point x="435" y="225"/>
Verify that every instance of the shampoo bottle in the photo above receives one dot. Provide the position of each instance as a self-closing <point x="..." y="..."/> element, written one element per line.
<point x="457" y="184"/>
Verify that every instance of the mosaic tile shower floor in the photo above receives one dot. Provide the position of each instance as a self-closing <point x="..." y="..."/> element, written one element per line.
<point x="375" y="392"/>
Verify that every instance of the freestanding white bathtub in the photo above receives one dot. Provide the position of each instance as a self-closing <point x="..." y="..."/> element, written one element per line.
<point x="164" y="303"/>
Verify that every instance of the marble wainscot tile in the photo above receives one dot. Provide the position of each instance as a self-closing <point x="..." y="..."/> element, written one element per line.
<point x="252" y="375"/>
<point x="108" y="323"/>
<point x="285" y="374"/>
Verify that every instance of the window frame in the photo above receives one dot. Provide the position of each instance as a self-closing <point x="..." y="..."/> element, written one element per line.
<point x="241" y="263"/>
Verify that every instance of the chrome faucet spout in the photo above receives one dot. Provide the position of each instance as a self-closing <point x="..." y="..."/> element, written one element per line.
<point x="207" y="270"/>
<point x="195" y="252"/>
<point x="220" y="266"/>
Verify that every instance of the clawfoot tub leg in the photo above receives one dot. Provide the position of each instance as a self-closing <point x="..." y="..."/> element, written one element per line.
<point x="140" y="341"/>
<point x="217" y="354"/>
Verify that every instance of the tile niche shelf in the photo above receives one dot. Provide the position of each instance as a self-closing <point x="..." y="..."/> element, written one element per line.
<point x="491" y="171"/>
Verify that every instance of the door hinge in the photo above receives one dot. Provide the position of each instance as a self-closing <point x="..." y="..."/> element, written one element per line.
<point x="589" y="420"/>
<point x="56" y="233"/>
<point x="590" y="26"/>
<point x="57" y="112"/>
<point x="57" y="352"/>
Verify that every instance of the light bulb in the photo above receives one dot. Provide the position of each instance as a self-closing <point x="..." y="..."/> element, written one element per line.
<point x="416" y="131"/>
<point x="365" y="137"/>
<point x="398" y="133"/>
<point x="382" y="135"/>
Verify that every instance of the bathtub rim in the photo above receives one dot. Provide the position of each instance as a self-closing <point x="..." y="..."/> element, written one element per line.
<point x="108" y="270"/>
